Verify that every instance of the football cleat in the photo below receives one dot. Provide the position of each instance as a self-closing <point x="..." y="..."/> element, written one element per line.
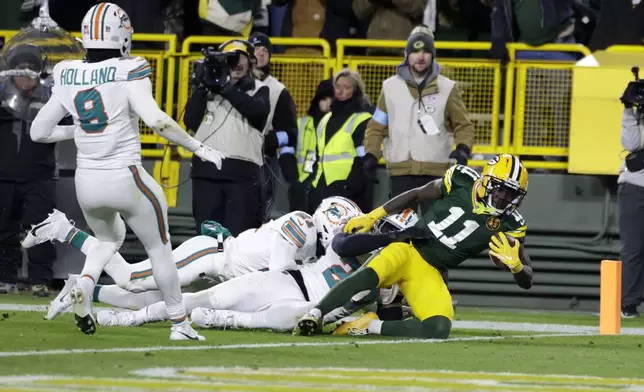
<point x="117" y="318"/>
<point x="210" y="318"/>
<point x="44" y="231"/>
<point x="82" y="308"/>
<point x="63" y="300"/>
<point x="307" y="325"/>
<point x="184" y="331"/>
<point x="356" y="327"/>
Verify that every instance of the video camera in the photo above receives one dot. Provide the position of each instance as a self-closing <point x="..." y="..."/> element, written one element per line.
<point x="214" y="69"/>
<point x="634" y="94"/>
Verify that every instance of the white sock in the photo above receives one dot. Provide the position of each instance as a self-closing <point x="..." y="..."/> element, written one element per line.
<point x="153" y="313"/>
<point x="64" y="230"/>
<point x="315" y="312"/>
<point x="167" y="278"/>
<point x="87" y="284"/>
<point x="96" y="260"/>
<point x="374" y="327"/>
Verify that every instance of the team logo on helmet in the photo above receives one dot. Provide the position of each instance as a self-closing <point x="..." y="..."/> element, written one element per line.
<point x="493" y="223"/>
<point x="125" y="20"/>
<point x="336" y="213"/>
<point x="494" y="160"/>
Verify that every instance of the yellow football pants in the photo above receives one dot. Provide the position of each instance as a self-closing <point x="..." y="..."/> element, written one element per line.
<point x="423" y="286"/>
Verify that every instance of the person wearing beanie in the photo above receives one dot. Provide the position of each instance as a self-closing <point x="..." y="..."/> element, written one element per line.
<point x="281" y="126"/>
<point x="420" y="117"/>
<point x="305" y="152"/>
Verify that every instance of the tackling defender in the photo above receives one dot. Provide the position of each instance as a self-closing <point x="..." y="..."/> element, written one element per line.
<point x="272" y="299"/>
<point x="106" y="94"/>
<point x="467" y="213"/>
<point x="277" y="245"/>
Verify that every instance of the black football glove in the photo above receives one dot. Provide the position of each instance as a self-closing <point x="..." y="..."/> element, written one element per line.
<point x="410" y="234"/>
<point x="369" y="165"/>
<point x="460" y="154"/>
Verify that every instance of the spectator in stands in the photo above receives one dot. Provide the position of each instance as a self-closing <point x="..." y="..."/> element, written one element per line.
<point x="341" y="22"/>
<point x="229" y="115"/>
<point x="28" y="173"/>
<point x="299" y="191"/>
<point x="534" y="22"/>
<point x="340" y="144"/>
<point x="420" y="116"/>
<point x="281" y="125"/>
<point x="227" y="17"/>
<point x="631" y="212"/>
<point x="389" y="19"/>
<point x="303" y="19"/>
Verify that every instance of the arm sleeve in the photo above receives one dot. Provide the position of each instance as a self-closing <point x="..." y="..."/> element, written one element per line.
<point x="141" y="100"/>
<point x="358" y="137"/>
<point x="458" y="119"/>
<point x="44" y="129"/>
<point x="285" y="122"/>
<point x="254" y="108"/>
<point x="351" y="245"/>
<point x="377" y="128"/>
<point x="631" y="131"/>
<point x="282" y="255"/>
<point x="195" y="109"/>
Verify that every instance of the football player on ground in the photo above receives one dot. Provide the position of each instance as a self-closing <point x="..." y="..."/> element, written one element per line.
<point x="467" y="212"/>
<point x="106" y="94"/>
<point x="263" y="299"/>
<point x="277" y="245"/>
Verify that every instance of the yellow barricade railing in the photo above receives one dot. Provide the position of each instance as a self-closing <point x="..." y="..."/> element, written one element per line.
<point x="300" y="75"/>
<point x="535" y="115"/>
<point x="157" y="60"/>
<point x="537" y="120"/>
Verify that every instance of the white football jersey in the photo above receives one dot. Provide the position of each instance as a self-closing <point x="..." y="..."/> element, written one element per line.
<point x="321" y="276"/>
<point x="275" y="245"/>
<point x="96" y="95"/>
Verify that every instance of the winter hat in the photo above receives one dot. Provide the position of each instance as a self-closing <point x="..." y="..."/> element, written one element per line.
<point x="420" y="42"/>
<point x="261" y="39"/>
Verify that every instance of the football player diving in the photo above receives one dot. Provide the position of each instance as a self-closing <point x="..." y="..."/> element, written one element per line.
<point x="469" y="213"/>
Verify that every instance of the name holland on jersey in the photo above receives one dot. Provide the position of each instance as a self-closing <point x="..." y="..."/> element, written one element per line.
<point x="85" y="77"/>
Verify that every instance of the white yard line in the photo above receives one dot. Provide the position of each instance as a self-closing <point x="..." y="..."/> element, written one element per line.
<point x="537" y="327"/>
<point x="357" y="341"/>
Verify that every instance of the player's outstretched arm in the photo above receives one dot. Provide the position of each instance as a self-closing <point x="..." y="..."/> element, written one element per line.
<point x="44" y="128"/>
<point x="364" y="223"/>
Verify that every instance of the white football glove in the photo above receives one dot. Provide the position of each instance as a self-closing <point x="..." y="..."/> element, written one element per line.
<point x="209" y="155"/>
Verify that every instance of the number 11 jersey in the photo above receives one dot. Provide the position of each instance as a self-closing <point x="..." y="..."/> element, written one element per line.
<point x="460" y="229"/>
<point x="97" y="96"/>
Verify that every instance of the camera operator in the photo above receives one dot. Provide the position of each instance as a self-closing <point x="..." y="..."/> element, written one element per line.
<point x="631" y="199"/>
<point x="27" y="170"/>
<point x="228" y="109"/>
<point x="281" y="127"/>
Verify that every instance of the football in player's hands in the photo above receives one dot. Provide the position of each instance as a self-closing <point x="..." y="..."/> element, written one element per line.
<point x="511" y="241"/>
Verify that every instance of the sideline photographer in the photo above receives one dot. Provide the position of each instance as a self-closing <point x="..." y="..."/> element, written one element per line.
<point x="228" y="109"/>
<point x="631" y="198"/>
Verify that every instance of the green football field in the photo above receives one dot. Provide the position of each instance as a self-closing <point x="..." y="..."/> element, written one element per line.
<point x="489" y="350"/>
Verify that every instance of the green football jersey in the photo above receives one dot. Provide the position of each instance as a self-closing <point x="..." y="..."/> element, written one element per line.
<point x="458" y="232"/>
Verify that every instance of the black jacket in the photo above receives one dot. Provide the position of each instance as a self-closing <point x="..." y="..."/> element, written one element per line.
<point x="340" y="113"/>
<point x="555" y="13"/>
<point x="254" y="108"/>
<point x="22" y="159"/>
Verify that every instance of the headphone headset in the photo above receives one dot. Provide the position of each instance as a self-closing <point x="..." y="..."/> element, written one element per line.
<point x="250" y="48"/>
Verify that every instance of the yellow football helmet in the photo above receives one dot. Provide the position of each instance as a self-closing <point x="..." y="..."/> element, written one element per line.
<point x="240" y="46"/>
<point x="504" y="184"/>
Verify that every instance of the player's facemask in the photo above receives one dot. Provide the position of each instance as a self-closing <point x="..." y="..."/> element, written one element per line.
<point x="503" y="185"/>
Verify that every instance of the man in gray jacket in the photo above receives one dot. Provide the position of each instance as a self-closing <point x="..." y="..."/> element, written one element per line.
<point x="631" y="215"/>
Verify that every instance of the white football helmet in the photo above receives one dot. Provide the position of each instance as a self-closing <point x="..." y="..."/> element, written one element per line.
<point x="401" y="221"/>
<point x="107" y="26"/>
<point x="331" y="215"/>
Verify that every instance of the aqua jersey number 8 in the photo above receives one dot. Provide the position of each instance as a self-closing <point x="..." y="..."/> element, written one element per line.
<point x="91" y="111"/>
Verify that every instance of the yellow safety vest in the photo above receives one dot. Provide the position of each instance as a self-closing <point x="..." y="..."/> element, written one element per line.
<point x="306" y="145"/>
<point x="336" y="158"/>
